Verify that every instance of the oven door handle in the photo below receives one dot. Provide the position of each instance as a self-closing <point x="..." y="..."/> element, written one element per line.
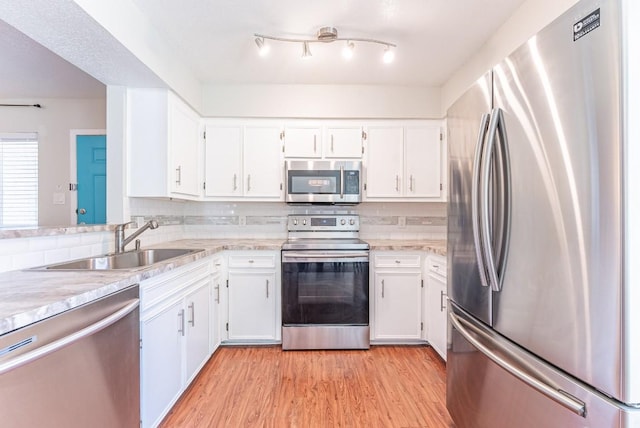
<point x="342" y="256"/>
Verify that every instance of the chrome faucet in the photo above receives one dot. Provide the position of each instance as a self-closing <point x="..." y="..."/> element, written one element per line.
<point x="121" y="242"/>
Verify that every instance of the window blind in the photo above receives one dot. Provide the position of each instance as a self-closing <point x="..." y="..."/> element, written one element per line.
<point x="19" y="179"/>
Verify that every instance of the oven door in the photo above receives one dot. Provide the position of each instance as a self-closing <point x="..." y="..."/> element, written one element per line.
<point x="325" y="288"/>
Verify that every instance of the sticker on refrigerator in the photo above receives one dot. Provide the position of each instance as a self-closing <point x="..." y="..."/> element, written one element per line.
<point x="586" y="25"/>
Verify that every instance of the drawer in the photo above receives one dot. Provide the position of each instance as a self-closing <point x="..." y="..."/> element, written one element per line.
<point x="156" y="289"/>
<point x="437" y="264"/>
<point x="401" y="260"/>
<point x="259" y="261"/>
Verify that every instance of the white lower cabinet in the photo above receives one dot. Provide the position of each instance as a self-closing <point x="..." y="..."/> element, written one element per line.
<point x="253" y="287"/>
<point x="436" y="304"/>
<point x="174" y="336"/>
<point x="397" y="301"/>
<point x="217" y="286"/>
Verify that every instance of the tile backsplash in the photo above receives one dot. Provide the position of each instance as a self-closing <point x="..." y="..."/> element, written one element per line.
<point x="211" y="220"/>
<point x="268" y="220"/>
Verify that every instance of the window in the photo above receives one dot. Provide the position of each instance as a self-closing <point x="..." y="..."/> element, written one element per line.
<point x="18" y="179"/>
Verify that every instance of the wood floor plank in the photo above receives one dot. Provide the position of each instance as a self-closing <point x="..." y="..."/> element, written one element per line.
<point x="386" y="386"/>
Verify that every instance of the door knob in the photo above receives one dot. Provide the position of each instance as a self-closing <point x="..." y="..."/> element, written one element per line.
<point x="81" y="211"/>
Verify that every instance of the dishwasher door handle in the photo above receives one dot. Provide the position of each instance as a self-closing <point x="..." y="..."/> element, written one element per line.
<point x="68" y="340"/>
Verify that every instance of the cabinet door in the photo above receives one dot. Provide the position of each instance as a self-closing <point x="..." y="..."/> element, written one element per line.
<point x="223" y="154"/>
<point x="161" y="362"/>
<point x="437" y="315"/>
<point x="423" y="161"/>
<point x="398" y="305"/>
<point x="216" y="298"/>
<point x="252" y="305"/>
<point x="184" y="167"/>
<point x="263" y="163"/>
<point x="384" y="162"/>
<point x="197" y="326"/>
<point x="302" y="142"/>
<point x="343" y="142"/>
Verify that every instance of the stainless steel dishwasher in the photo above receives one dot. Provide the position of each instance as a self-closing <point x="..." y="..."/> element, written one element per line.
<point x="77" y="369"/>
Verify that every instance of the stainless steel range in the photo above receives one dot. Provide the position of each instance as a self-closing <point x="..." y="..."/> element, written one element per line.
<point x="325" y="284"/>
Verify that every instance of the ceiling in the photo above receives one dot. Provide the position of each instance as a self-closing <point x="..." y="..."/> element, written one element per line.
<point x="214" y="38"/>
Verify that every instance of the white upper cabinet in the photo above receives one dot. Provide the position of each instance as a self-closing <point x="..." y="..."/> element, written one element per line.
<point x="163" y="135"/>
<point x="343" y="141"/>
<point x="223" y="161"/>
<point x="384" y="176"/>
<point x="303" y="141"/>
<point x="243" y="161"/>
<point x="404" y="161"/>
<point x="323" y="139"/>
<point x="423" y="156"/>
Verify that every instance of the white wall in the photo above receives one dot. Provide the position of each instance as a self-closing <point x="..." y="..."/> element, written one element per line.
<point x="322" y="101"/>
<point x="530" y="18"/>
<point x="53" y="124"/>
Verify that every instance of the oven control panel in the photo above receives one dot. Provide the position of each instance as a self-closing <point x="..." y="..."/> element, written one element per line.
<point x="319" y="222"/>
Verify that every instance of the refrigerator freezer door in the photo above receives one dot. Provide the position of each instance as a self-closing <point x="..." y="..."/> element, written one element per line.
<point x="490" y="394"/>
<point x="467" y="134"/>
<point x="562" y="287"/>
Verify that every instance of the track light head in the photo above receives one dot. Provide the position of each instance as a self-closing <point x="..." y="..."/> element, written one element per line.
<point x="389" y="55"/>
<point x="306" y="52"/>
<point x="347" y="51"/>
<point x="263" y="48"/>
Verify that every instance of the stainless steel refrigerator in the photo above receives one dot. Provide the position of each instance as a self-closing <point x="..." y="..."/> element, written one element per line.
<point x="543" y="230"/>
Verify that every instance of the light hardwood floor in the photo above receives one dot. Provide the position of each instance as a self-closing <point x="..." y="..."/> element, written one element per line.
<point x="387" y="386"/>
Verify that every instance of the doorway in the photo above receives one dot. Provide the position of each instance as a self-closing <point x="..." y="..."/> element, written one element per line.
<point x="89" y="169"/>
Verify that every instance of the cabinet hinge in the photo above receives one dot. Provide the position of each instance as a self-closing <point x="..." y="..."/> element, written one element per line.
<point x="204" y="135"/>
<point x="280" y="186"/>
<point x="364" y="135"/>
<point x="440" y="186"/>
<point x="281" y="135"/>
<point x="421" y="326"/>
<point x="362" y="149"/>
<point x="140" y="343"/>
<point x="227" y="326"/>
<point x="441" y="137"/>
<point x="422" y="283"/>
<point x="204" y="185"/>
<point x="227" y="283"/>
<point x="365" y="186"/>
<point x="283" y="148"/>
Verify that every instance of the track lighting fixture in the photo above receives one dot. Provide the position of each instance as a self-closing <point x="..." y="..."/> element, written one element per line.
<point x="327" y="35"/>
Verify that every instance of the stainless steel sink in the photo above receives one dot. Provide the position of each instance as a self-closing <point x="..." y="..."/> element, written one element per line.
<point x="127" y="260"/>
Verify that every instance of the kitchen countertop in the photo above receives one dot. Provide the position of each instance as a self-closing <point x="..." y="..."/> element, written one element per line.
<point x="435" y="246"/>
<point x="28" y="296"/>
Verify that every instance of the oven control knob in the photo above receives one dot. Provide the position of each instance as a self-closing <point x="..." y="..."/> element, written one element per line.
<point x="304" y="222"/>
<point x="295" y="221"/>
<point x="352" y="222"/>
<point x="343" y="222"/>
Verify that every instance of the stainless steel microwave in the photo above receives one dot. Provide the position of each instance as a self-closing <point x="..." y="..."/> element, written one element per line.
<point x="323" y="182"/>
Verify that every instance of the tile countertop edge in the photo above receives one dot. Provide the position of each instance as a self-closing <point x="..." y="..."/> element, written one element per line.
<point x="29" y="296"/>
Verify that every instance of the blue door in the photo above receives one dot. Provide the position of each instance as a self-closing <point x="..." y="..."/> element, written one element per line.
<point x="91" y="158"/>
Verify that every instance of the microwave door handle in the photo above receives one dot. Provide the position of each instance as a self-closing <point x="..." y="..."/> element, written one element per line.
<point x="342" y="182"/>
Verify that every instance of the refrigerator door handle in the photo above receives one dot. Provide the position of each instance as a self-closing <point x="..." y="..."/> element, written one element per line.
<point x="561" y="397"/>
<point x="505" y="194"/>
<point x="475" y="199"/>
<point x="496" y="124"/>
